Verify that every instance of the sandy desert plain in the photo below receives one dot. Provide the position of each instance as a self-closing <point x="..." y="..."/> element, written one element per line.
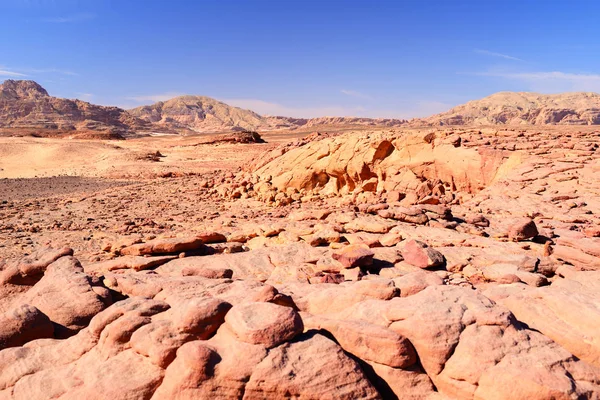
<point x="335" y="261"/>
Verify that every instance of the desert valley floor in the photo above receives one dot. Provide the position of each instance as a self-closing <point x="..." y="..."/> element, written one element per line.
<point x="409" y="263"/>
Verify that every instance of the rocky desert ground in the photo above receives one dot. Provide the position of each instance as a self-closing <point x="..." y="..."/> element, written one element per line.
<point x="379" y="261"/>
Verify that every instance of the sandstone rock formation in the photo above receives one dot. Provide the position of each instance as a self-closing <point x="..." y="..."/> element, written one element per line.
<point x="429" y="166"/>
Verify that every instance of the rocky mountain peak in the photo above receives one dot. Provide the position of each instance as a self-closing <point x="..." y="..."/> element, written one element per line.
<point x="13" y="90"/>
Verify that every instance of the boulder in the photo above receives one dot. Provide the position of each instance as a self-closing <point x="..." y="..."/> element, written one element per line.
<point x="310" y="367"/>
<point x="30" y="269"/>
<point x="414" y="282"/>
<point x="65" y="294"/>
<point x="136" y="263"/>
<point x="522" y="229"/>
<point x="354" y="255"/>
<point x="568" y="311"/>
<point x="23" y="324"/>
<point x="264" y="323"/>
<point x="468" y="346"/>
<point x="421" y="255"/>
<point x="164" y="246"/>
<point x="368" y="223"/>
<point x="366" y="341"/>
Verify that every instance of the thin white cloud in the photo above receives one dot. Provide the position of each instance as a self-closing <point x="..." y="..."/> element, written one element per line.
<point x="499" y="55"/>
<point x="354" y="93"/>
<point x="11" y="74"/>
<point x="154" y="97"/>
<point x="425" y="108"/>
<point x="50" y="71"/>
<point x="6" y="71"/>
<point x="552" y="81"/>
<point x="85" y="96"/>
<point x="567" y="76"/>
<point x="70" y="18"/>
<point x="267" y="108"/>
<point x="405" y="111"/>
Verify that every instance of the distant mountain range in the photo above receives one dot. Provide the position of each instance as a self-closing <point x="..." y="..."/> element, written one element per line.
<point x="204" y="114"/>
<point x="200" y="114"/>
<point x="515" y="108"/>
<point x="27" y="108"/>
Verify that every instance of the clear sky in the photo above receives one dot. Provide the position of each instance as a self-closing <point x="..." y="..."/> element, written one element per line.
<point x="302" y="58"/>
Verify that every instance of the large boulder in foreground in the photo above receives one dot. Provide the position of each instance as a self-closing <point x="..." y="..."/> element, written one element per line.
<point x="568" y="311"/>
<point x="66" y="295"/>
<point x="23" y="324"/>
<point x="264" y="323"/>
<point x="311" y="367"/>
<point x="472" y="348"/>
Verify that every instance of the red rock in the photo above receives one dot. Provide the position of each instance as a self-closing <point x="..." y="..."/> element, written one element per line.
<point x="331" y="299"/>
<point x="405" y="383"/>
<point x="188" y="320"/>
<point x="66" y="296"/>
<point x="478" y="220"/>
<point x="354" y="256"/>
<point x="394" y="196"/>
<point x="390" y="239"/>
<point x="263" y="323"/>
<point x="421" y="255"/>
<point x="352" y="274"/>
<point x="302" y="215"/>
<point x="432" y="200"/>
<point x="449" y="328"/>
<point x="327" y="278"/>
<point x="136" y="263"/>
<point x="367" y="341"/>
<point x="576" y="257"/>
<point x="522" y="229"/>
<point x="310" y="367"/>
<point x="23" y="324"/>
<point x="592" y="231"/>
<point x="211" y="237"/>
<point x="411" y="215"/>
<point x="323" y="237"/>
<point x="414" y="282"/>
<point x="193" y="367"/>
<point x="210" y="273"/>
<point x="567" y="311"/>
<point x="30" y="268"/>
<point x="369" y="223"/>
<point x="369" y="239"/>
<point x="164" y="246"/>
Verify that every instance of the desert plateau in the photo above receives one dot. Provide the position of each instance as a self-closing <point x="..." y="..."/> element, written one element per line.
<point x="186" y="248"/>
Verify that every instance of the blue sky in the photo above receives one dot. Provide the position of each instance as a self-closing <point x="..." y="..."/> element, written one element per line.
<point x="302" y="58"/>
